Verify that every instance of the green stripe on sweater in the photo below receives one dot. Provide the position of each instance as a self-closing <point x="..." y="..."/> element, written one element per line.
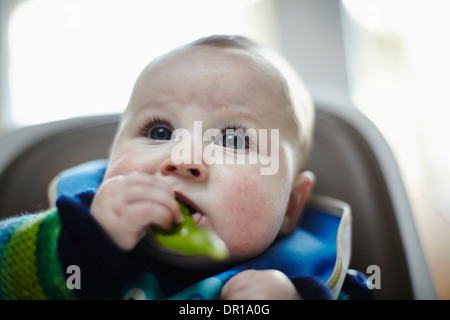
<point x="19" y="273"/>
<point x="51" y="276"/>
<point x="7" y="228"/>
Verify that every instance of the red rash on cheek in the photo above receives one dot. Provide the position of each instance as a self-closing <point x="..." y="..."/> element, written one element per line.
<point x="245" y="196"/>
<point x="249" y="223"/>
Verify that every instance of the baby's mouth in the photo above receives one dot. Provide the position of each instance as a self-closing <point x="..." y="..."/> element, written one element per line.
<point x="187" y="239"/>
<point x="195" y="212"/>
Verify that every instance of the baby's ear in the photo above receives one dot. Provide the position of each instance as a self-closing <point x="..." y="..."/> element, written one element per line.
<point x="301" y="190"/>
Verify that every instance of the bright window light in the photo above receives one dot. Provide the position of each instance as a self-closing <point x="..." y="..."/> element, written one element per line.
<point x="81" y="57"/>
<point x="399" y="65"/>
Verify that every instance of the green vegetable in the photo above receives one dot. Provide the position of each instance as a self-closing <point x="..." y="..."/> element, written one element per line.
<point x="186" y="238"/>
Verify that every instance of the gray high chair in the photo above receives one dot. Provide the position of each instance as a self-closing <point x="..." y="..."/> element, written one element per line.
<point x="351" y="160"/>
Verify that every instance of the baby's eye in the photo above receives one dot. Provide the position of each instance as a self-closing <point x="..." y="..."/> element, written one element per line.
<point x="160" y="133"/>
<point x="157" y="129"/>
<point x="235" y="139"/>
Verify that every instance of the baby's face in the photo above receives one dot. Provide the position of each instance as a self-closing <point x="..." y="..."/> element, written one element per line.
<point x="202" y="88"/>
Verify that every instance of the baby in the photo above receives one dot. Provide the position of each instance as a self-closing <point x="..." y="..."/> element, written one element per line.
<point x="232" y="85"/>
<point x="220" y="96"/>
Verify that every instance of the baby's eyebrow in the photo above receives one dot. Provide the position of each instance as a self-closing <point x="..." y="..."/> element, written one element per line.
<point x="240" y="112"/>
<point x="154" y="104"/>
<point x="246" y="120"/>
<point x="152" y="107"/>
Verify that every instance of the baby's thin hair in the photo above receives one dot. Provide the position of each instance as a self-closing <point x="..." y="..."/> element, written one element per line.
<point x="226" y="41"/>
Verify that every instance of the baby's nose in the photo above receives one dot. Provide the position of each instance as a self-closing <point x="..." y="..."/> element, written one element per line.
<point x="196" y="172"/>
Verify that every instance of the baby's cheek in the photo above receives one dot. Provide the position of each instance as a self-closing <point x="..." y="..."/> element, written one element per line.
<point x="128" y="162"/>
<point x="252" y="221"/>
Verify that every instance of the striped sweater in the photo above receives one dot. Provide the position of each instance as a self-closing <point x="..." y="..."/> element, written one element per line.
<point x="29" y="265"/>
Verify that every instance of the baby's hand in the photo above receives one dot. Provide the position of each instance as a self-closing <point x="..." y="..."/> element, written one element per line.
<point x="259" y="285"/>
<point x="126" y="206"/>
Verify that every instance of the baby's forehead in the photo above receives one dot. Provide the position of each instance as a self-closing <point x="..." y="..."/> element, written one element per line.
<point x="247" y="59"/>
<point x="197" y="68"/>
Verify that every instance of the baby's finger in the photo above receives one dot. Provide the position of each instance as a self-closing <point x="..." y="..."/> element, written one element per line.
<point x="142" y="215"/>
<point x="142" y="193"/>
